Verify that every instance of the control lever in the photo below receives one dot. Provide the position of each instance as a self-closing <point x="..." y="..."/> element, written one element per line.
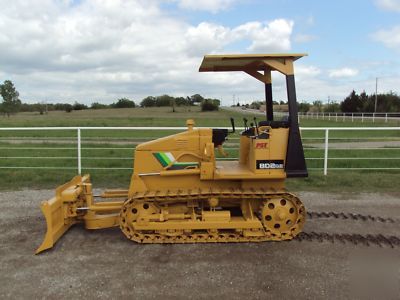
<point x="222" y="151"/>
<point x="245" y="124"/>
<point x="233" y="125"/>
<point x="255" y="121"/>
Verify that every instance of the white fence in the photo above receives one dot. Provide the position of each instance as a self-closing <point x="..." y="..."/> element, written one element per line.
<point x="321" y="142"/>
<point x="351" y="117"/>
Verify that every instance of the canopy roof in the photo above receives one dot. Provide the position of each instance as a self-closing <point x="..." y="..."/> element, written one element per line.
<point x="250" y="63"/>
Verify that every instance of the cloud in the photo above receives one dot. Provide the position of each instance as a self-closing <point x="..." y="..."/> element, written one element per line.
<point x="389" y="37"/>
<point x="206" y="5"/>
<point x="207" y="37"/>
<point x="98" y="50"/>
<point x="390" y="5"/>
<point x="343" y="72"/>
<point x="273" y="36"/>
<point x="307" y="71"/>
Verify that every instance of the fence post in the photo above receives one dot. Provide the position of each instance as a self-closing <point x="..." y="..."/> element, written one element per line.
<point x="344" y="115"/>
<point x="336" y="117"/>
<point x="386" y="118"/>
<point x="79" y="152"/>
<point x="326" y="152"/>
<point x="362" y="117"/>
<point x="373" y="117"/>
<point x="352" y="117"/>
<point x="329" y="116"/>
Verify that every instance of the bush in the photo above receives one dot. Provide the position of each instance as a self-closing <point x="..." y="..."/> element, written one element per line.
<point x="123" y="103"/>
<point x="208" y="105"/>
<point x="303" y="107"/>
<point x="149" y="101"/>
<point x="79" y="106"/>
<point x="255" y="105"/>
<point x="97" y="105"/>
<point x="68" y="108"/>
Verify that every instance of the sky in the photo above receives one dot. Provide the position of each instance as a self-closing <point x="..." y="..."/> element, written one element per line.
<point x="100" y="51"/>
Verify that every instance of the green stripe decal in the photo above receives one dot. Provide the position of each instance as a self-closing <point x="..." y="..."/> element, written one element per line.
<point x="186" y="163"/>
<point x="164" y="158"/>
<point x="161" y="160"/>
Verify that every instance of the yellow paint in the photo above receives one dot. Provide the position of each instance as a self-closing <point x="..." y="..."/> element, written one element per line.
<point x="180" y="193"/>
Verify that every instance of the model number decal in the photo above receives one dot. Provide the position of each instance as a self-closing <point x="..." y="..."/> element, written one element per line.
<point x="269" y="164"/>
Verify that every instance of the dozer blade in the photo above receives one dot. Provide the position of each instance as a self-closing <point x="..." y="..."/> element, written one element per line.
<point x="60" y="211"/>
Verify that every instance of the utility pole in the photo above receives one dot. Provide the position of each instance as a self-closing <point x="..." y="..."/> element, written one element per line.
<point x="376" y="93"/>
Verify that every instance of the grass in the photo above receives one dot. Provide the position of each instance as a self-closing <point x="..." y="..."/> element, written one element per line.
<point x="336" y="181"/>
<point x="156" y="116"/>
<point x="348" y="181"/>
<point x="114" y="149"/>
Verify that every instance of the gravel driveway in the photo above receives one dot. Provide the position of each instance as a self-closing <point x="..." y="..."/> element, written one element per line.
<point x="104" y="264"/>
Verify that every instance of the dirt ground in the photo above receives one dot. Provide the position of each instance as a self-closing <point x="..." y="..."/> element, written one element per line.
<point x="104" y="264"/>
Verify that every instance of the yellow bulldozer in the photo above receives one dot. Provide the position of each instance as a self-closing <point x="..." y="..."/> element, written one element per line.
<point x="180" y="193"/>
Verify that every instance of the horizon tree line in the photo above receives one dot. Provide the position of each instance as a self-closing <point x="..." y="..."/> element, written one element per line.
<point x="11" y="104"/>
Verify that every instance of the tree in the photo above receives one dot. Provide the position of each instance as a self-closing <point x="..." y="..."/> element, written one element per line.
<point x="255" y="104"/>
<point x="303" y="107"/>
<point x="165" y="100"/>
<point x="79" y="106"/>
<point x="352" y="103"/>
<point x="123" y="103"/>
<point x="173" y="103"/>
<point x="332" y="107"/>
<point x="68" y="107"/>
<point x="208" y="105"/>
<point x="216" y="102"/>
<point x="11" y="103"/>
<point x="149" y="101"/>
<point x="182" y="101"/>
<point x="97" y="105"/>
<point x="196" y="98"/>
<point x="316" y="106"/>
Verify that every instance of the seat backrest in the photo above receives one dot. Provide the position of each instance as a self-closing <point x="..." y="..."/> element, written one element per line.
<point x="274" y="124"/>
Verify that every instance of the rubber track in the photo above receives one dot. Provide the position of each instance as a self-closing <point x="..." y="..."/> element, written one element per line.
<point x="347" y="216"/>
<point x="355" y="239"/>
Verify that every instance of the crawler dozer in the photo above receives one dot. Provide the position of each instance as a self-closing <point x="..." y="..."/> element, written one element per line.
<point x="180" y="193"/>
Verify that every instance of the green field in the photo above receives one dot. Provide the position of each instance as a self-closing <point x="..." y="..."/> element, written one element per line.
<point x="103" y="149"/>
<point x="157" y="116"/>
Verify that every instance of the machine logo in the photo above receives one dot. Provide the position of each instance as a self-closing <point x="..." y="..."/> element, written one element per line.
<point x="261" y="145"/>
<point x="269" y="164"/>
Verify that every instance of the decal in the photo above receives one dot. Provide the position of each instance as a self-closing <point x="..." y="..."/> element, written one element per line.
<point x="269" y="164"/>
<point x="261" y="145"/>
<point x="167" y="159"/>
